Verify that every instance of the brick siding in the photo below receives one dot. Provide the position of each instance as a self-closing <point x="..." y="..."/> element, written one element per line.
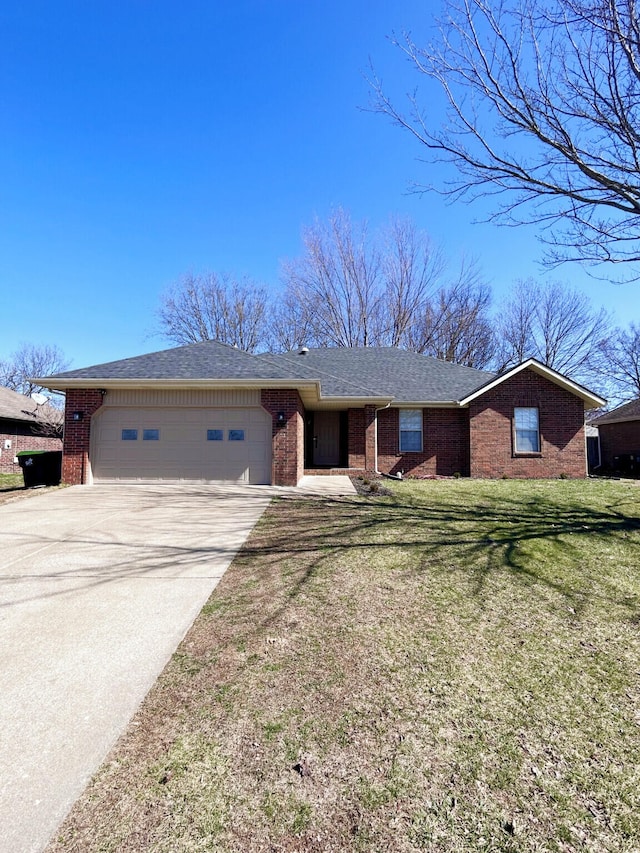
<point x="287" y="465"/>
<point x="22" y="437"/>
<point x="476" y="441"/>
<point x="369" y="418"/>
<point x="561" y="422"/>
<point x="356" y="439"/>
<point x="621" y="439"/>
<point x="445" y="444"/>
<point x="77" y="434"/>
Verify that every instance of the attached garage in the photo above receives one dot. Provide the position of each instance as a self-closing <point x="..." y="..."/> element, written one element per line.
<point x="178" y="436"/>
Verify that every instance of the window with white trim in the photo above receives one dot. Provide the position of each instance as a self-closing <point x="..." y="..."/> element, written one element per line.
<point x="410" y="430"/>
<point x="526" y="429"/>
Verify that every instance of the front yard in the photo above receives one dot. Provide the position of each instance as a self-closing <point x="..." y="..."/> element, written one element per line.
<point x="454" y="667"/>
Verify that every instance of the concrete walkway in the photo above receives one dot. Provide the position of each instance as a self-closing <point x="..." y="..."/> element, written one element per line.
<point x="98" y="585"/>
<point x="325" y="484"/>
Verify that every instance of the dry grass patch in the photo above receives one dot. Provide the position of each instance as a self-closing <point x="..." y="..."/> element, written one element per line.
<point x="12" y="488"/>
<point x="451" y="668"/>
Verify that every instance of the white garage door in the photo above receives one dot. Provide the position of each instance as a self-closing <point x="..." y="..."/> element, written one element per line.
<point x="210" y="445"/>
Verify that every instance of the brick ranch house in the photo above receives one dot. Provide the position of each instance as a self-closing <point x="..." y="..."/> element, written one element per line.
<point x="619" y="433"/>
<point x="24" y="426"/>
<point x="208" y="412"/>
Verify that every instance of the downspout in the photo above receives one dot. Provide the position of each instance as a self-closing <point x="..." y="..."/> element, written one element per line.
<point x="375" y="444"/>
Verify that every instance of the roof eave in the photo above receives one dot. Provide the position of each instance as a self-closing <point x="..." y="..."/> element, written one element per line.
<point x="338" y="401"/>
<point x="591" y="400"/>
<point x="624" y="420"/>
<point x="93" y="383"/>
<point x="426" y="404"/>
<point x="309" y="388"/>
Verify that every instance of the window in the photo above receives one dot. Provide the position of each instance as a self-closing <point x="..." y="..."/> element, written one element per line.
<point x="236" y="435"/>
<point x="151" y="435"/>
<point x="410" y="430"/>
<point x="215" y="435"/>
<point x="526" y="431"/>
<point x="129" y="434"/>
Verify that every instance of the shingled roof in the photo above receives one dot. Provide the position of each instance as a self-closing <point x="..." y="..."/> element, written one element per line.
<point x="206" y="360"/>
<point x="627" y="412"/>
<point x="359" y="372"/>
<point x="407" y="377"/>
<point x="18" y="407"/>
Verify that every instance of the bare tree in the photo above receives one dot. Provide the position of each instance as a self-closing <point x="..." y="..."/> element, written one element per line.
<point x="411" y="268"/>
<point x="455" y="325"/>
<point x="353" y="288"/>
<point x="543" y="108"/>
<point x="555" y="324"/>
<point x="29" y="362"/>
<point x="48" y="420"/>
<point x="214" y="307"/>
<point x="621" y="362"/>
<point x="291" y="322"/>
<point x="336" y="283"/>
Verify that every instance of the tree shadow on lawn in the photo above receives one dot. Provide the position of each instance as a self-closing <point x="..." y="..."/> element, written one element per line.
<point x="521" y="537"/>
<point x="537" y="541"/>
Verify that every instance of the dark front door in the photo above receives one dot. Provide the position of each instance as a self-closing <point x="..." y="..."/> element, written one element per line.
<point x="326" y="438"/>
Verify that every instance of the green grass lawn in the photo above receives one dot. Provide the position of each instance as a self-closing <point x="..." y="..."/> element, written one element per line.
<point x="10" y="482"/>
<point x="454" y="667"/>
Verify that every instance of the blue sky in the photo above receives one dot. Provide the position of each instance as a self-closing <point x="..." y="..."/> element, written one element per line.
<point x="145" y="139"/>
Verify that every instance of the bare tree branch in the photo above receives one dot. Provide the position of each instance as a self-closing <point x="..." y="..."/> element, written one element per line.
<point x="351" y="288"/>
<point x="455" y="325"/>
<point x="30" y="361"/>
<point x="621" y="362"/>
<point x="554" y="324"/>
<point x="337" y="281"/>
<point x="214" y="307"/>
<point x="543" y="108"/>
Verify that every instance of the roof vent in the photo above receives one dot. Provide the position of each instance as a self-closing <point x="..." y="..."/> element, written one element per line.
<point x="303" y="351"/>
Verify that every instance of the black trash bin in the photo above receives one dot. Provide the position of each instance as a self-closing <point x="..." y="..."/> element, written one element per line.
<point x="40" y="467"/>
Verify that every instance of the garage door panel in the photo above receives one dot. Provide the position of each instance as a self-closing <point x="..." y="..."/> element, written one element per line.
<point x="182" y="450"/>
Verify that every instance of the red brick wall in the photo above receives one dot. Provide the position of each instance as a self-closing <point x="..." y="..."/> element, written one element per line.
<point x="75" y="459"/>
<point x="561" y="422"/>
<point x="618" y="440"/>
<point x="445" y="443"/>
<point x="22" y="437"/>
<point x="369" y="417"/>
<point x="287" y="441"/>
<point x="356" y="445"/>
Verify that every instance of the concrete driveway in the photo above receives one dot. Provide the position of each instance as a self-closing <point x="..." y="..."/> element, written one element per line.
<point x="97" y="587"/>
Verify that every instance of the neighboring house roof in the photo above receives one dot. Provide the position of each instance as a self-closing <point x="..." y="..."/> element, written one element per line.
<point x="627" y="412"/>
<point x="18" y="407"/>
<point x="369" y="374"/>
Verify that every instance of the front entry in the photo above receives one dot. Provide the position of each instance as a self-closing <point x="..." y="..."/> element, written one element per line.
<point x="326" y="438"/>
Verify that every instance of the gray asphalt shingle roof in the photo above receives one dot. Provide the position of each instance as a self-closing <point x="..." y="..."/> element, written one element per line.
<point x="357" y="372"/>
<point x="18" y="407"/>
<point x="627" y="412"/>
<point x="207" y="360"/>
<point x="387" y="371"/>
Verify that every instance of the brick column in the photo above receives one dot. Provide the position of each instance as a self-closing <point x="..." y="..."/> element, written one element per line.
<point x="77" y="434"/>
<point x="287" y="465"/>
<point x="370" y="438"/>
